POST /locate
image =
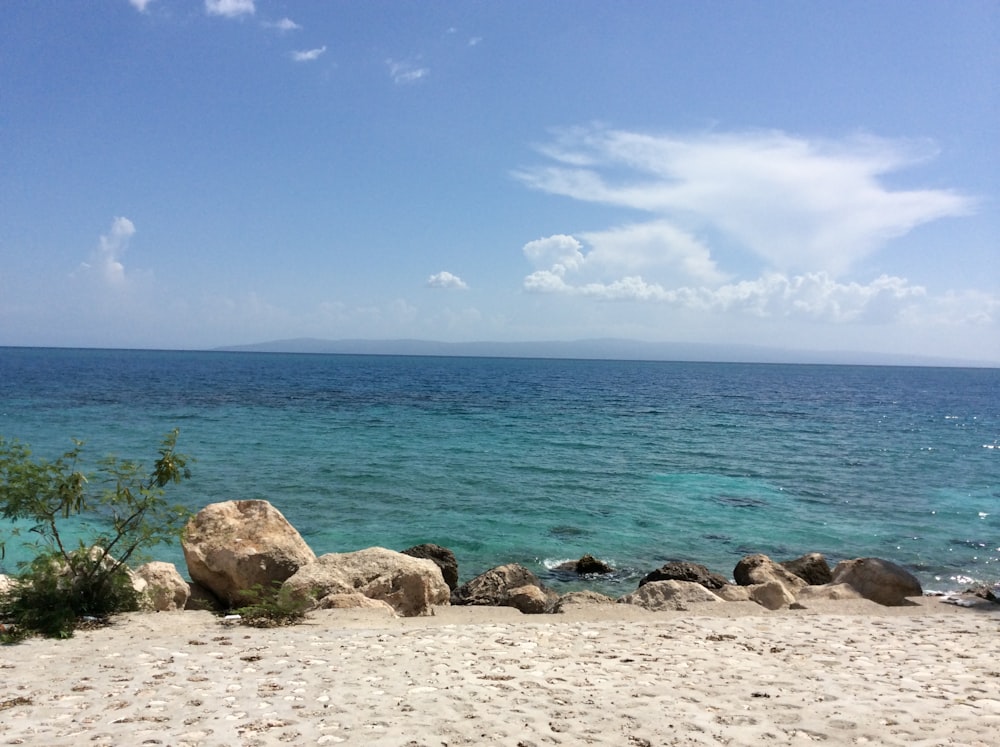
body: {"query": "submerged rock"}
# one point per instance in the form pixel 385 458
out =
pixel 587 564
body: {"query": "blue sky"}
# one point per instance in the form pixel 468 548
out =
pixel 807 175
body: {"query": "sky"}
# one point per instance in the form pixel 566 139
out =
pixel 814 176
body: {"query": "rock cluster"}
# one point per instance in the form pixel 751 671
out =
pixel 237 547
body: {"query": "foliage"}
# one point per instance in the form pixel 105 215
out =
pixel 271 608
pixel 122 507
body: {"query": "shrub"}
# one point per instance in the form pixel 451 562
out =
pixel 122 506
pixel 271 608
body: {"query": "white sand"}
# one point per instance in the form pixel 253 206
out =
pixel 838 673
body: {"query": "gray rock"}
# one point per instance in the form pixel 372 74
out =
pixel 881 581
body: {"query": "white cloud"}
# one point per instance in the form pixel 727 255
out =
pixel 308 55
pixel 559 253
pixel 798 204
pixel 140 5
pixel 229 8
pixel 284 25
pixel 405 71
pixel 106 260
pixel 445 279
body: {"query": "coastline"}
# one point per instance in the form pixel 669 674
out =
pixel 845 672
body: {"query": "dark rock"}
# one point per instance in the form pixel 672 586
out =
pixel 442 556
pixel 811 568
pixel 585 565
pixel 684 571
pixel 503 586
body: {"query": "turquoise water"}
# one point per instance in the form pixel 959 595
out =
pixel 539 461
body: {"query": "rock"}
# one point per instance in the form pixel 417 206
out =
pixel 835 592
pixel 7 584
pixel 588 564
pixel 683 571
pixel 581 599
pixel 411 586
pixel 530 600
pixel 811 568
pixel 165 589
pixel 881 581
pixel 202 599
pixel 353 601
pixel 494 587
pixel 760 569
pixel 731 593
pixel 772 595
pixel 669 595
pixel 234 546
pixel 443 557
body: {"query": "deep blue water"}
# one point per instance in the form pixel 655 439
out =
pixel 538 461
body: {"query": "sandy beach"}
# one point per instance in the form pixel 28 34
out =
pixel 838 672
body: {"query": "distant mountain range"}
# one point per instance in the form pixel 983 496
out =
pixel 606 349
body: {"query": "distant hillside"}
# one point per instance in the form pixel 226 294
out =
pixel 601 349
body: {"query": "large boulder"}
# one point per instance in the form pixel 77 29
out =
pixel 411 586
pixel 496 587
pixel 234 546
pixel 442 557
pixel 669 595
pixel 811 568
pixel 679 570
pixel 165 589
pixel 760 569
pixel 879 580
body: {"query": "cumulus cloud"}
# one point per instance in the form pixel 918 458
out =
pixel 106 260
pixel 229 8
pixel 284 25
pixel 798 204
pixel 405 71
pixel 445 279
pixel 812 295
pixel 140 5
pixel 308 55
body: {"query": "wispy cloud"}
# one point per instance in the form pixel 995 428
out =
pixel 446 279
pixel 405 71
pixel 140 5
pixel 308 55
pixel 106 261
pixel 284 25
pixel 797 204
pixel 230 8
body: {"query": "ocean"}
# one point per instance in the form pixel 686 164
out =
pixel 539 461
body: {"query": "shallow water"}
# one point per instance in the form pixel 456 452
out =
pixel 539 461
